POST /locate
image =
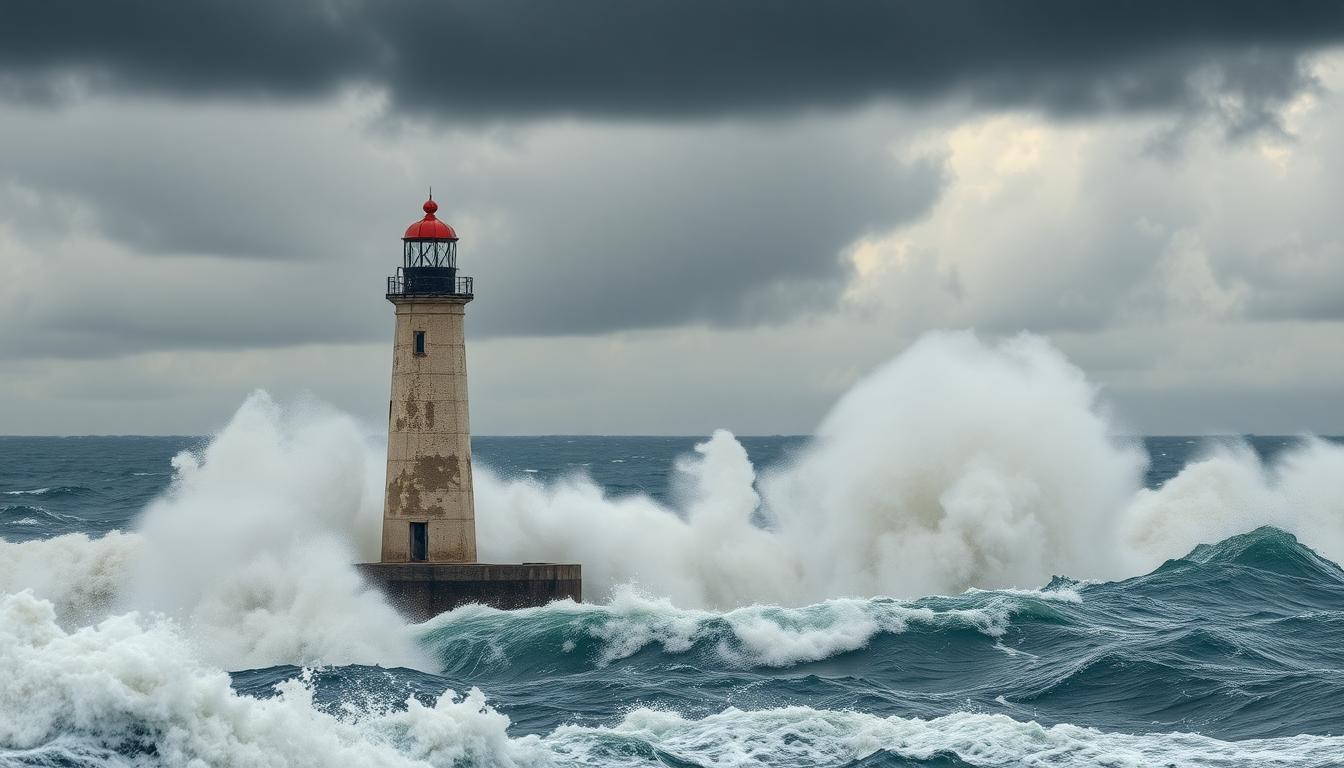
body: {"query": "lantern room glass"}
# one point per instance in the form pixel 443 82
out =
pixel 430 253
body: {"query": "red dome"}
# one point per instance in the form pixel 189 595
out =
pixel 429 228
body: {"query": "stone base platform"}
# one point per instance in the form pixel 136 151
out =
pixel 421 591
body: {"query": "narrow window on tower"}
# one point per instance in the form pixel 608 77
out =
pixel 419 343
pixel 419 542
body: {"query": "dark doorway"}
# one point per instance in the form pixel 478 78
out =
pixel 419 542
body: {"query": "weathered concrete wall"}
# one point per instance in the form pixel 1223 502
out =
pixel 428 435
pixel 421 591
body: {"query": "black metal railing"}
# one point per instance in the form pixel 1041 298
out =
pixel 419 281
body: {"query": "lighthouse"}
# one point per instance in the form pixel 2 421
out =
pixel 429 513
pixel 428 560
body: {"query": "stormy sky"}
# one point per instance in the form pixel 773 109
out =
pixel 680 216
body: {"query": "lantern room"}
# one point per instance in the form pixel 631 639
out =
pixel 429 260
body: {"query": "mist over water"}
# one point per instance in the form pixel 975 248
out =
pixel 789 607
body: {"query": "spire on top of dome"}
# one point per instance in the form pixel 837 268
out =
pixel 430 228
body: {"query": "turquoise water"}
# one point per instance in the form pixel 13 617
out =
pixel 1230 655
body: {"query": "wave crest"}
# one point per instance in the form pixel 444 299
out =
pixel 474 639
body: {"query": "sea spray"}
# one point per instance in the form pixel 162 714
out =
pixel 80 576
pixel 249 550
pixel 959 464
pixel 753 640
pixel 706 553
pixel 1230 491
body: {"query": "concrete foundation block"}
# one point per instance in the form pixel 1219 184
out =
pixel 420 591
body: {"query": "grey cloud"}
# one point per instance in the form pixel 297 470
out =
pixel 691 58
pixel 1299 279
pixel 159 179
pixel 729 228
pixel 568 228
pixel 109 308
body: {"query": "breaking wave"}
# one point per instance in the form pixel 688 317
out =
pixel 131 690
pixel 758 635
pixel 877 600
pixel 249 549
pixel 957 465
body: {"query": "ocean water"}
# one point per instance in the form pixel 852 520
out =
pixel 57 485
pixel 937 577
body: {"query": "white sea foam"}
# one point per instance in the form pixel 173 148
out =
pixel 958 465
pixel 795 736
pixel 1230 491
pixel 1057 594
pixel 131 683
pixel 135 683
pixel 81 577
pixel 780 637
pixel 272 477
pixel 708 553
pixel 249 550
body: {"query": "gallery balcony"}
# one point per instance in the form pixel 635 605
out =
pixel 428 281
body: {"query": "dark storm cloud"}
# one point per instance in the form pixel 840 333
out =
pixel 728 215
pixel 572 230
pixel 691 58
pixel 725 233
